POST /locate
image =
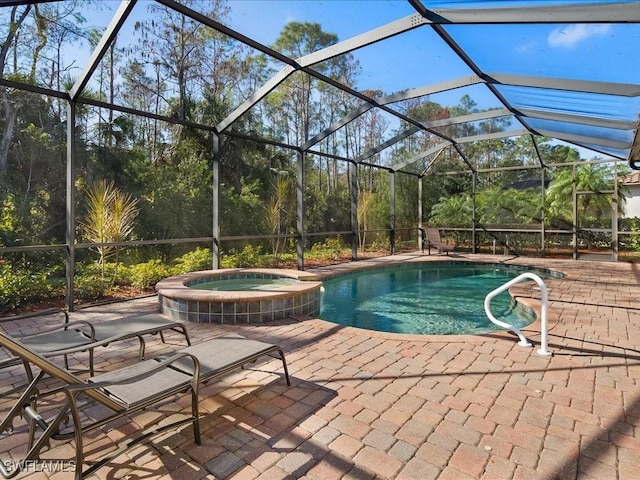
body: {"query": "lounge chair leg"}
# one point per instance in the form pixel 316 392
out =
pixel 75 415
pixel 284 365
pixel 196 417
pixel 141 351
pixel 34 450
pixel 186 334
pixel 91 370
pixel 16 410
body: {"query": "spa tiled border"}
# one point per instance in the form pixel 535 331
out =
pixel 179 302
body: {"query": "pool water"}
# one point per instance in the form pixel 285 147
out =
pixel 243 284
pixel 429 299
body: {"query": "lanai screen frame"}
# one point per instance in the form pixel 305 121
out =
pixel 612 12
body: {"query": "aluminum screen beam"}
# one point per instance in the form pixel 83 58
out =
pixel 431 89
pixel 372 36
pixel 262 92
pixel 365 107
pixel 595 149
pixel 386 31
pixel 585 86
pixel 564 14
pixel 619 12
pixel 210 22
pixel 431 163
pixel 474 138
pixel 464 158
pixel 535 147
pixel 634 154
pixel 303 63
pixel 491 136
pixel 388 143
pixel 290 67
pixel 396 97
pixel 579 119
pixel 584 140
pixel 499 112
pixel 107 39
pixel 462 54
pixel 473 117
pixel 33 89
pixel 430 151
pixel 15 3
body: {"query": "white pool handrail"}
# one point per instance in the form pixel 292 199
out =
pixel 543 320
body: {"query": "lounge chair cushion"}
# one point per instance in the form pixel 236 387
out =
pixel 134 325
pixel 134 393
pixel 50 342
pixel 222 354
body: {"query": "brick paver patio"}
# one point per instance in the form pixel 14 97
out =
pixel 366 405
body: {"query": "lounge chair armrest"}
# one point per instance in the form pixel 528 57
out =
pixel 65 326
pixel 42 313
pixel 89 345
pixel 151 367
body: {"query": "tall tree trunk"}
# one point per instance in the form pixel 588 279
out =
pixel 10 108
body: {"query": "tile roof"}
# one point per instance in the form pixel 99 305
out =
pixel 632 178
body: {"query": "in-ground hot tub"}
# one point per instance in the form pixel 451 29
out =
pixel 239 295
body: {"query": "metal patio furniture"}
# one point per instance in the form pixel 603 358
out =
pixel 123 392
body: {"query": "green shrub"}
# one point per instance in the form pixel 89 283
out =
pixel 91 287
pixel 381 242
pixel 145 275
pixel 198 259
pixel 634 240
pixel 249 256
pixel 18 288
pixel 114 273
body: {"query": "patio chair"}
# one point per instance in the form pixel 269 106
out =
pixel 76 336
pixel 50 340
pixel 432 239
pixel 122 392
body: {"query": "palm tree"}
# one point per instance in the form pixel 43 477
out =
pixel 591 177
pixel 453 211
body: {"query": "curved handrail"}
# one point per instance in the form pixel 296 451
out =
pixel 544 295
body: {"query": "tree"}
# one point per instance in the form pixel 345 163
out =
pixel 590 177
pixel 366 200
pixel 296 40
pixel 185 54
pixel 453 211
pixel 10 107
pixel 30 28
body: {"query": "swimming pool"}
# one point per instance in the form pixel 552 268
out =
pixel 434 299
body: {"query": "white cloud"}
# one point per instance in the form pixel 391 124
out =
pixel 527 47
pixel 569 36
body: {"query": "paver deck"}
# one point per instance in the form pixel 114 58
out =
pixel 366 405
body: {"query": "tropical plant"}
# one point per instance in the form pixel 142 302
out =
pixel 276 210
pixel 452 211
pixel 365 205
pixel 591 179
pixel 110 218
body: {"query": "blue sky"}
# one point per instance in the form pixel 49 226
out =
pixel 419 57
